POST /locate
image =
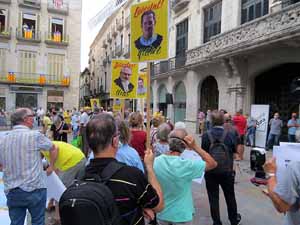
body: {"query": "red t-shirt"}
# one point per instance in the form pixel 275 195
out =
pixel 138 141
pixel 240 123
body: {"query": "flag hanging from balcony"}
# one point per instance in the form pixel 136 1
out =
pixel 149 31
pixel 58 4
pixel 124 79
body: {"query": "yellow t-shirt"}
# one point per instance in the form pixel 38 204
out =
pixel 68 155
pixel 47 122
pixel 67 117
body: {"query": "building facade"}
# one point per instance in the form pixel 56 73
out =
pixel 84 88
pixel 228 55
pixel 112 42
pixel 39 53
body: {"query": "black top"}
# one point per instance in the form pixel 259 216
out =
pixel 130 188
pixel 56 135
pixel 118 82
pixel 155 44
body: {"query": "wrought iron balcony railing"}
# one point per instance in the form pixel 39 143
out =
pixel 168 65
pixel 34 79
pixel 56 38
pixel 30 35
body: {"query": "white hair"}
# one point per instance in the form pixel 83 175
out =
pixel 180 125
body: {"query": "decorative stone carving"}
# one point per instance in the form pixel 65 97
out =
pixel 261 31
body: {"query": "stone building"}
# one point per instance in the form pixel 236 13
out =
pixel 228 54
pixel 112 42
pixel 84 88
pixel 39 53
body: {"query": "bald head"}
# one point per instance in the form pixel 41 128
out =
pixel 176 142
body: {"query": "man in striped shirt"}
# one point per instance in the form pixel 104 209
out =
pixel 23 176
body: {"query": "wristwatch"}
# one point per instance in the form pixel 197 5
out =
pixel 269 175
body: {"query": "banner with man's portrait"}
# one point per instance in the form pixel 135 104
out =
pixel 141 91
pixel 149 31
pixel 124 79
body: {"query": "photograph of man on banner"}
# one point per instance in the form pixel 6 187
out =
pixel 142 86
pixel 149 31
pixel 124 79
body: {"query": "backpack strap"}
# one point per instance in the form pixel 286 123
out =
pixel 211 138
pixel 110 170
pixel 224 136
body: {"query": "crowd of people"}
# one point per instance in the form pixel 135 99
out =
pixel 151 184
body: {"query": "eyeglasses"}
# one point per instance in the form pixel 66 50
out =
pixel 181 139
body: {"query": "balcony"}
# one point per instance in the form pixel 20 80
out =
pixel 5 1
pixel 127 51
pixel 57 39
pixel 109 38
pixel 62 8
pixel 5 34
pixel 279 26
pixel 178 5
pixel 119 50
pixel 32 4
pixel 34 79
pixel 127 22
pixel 104 44
pixel 28 35
pixel 120 24
pixel 169 65
pixel 114 31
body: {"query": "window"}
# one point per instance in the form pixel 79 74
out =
pixel 121 41
pixel 2 60
pixel 29 23
pixel 56 65
pixel 286 3
pixel 3 20
pixel 252 9
pixel 212 20
pixel 56 29
pixel 182 37
pixel 27 62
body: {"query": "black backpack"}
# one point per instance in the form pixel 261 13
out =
pixel 89 201
pixel 220 152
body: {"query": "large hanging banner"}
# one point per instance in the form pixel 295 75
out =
pixel 261 114
pixel 149 31
pixel 124 79
pixel 142 86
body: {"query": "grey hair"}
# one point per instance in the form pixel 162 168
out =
pixel 56 119
pixel 177 145
pixel 19 115
pixel 163 132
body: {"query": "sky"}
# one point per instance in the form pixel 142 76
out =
pixel 89 10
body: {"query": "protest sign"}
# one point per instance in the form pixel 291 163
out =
pixel 124 79
pixel 149 31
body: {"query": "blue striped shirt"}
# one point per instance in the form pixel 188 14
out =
pixel 21 159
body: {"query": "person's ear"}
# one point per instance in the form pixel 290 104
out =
pixel 115 142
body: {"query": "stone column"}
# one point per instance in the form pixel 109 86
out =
pixel 191 101
pixel 237 94
pixel 275 5
pixel 170 88
pixel 155 95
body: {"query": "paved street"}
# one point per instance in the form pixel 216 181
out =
pixel 255 208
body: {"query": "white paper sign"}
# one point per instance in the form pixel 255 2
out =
pixel 261 114
pixel 285 154
pixel 55 188
pixel 187 154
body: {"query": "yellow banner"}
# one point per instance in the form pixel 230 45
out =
pixel 94 103
pixel 124 79
pixel 149 31
pixel 142 86
pixel 118 105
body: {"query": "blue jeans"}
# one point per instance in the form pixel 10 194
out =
pixel 18 201
pixel 292 138
pixel 273 139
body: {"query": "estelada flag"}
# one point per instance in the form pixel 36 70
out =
pixel 141 91
pixel 149 31
pixel 124 79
